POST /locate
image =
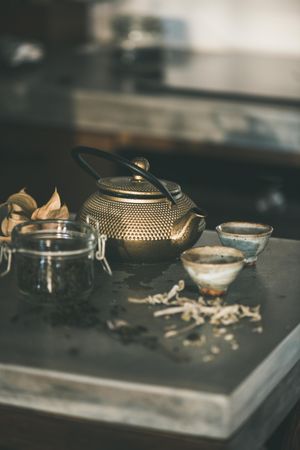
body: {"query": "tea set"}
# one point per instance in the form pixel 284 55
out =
pixel 151 220
pixel 141 219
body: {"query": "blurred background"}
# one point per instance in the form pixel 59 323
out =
pixel 208 91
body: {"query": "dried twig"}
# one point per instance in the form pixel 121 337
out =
pixel 160 299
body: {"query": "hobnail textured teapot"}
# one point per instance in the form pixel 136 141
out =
pixel 144 219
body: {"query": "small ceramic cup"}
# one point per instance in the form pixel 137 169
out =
pixel 212 268
pixel 250 238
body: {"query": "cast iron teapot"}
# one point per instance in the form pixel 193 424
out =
pixel 144 219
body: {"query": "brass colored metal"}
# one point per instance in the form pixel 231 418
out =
pixel 142 224
pixel 144 230
pixel 143 163
pixel 128 186
pixel 135 220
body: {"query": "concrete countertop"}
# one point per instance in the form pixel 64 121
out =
pixel 66 361
pixel 79 92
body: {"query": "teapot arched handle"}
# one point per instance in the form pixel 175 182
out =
pixel 77 156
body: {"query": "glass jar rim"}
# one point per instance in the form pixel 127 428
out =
pixel 21 240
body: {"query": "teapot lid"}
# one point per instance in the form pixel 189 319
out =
pixel 136 186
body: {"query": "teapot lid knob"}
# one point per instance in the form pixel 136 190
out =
pixel 141 162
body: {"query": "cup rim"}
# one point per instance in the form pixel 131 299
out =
pixel 240 224
pixel 213 249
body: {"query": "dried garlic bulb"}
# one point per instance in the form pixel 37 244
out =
pixel 52 209
pixel 21 202
pixel 8 223
pixel 20 206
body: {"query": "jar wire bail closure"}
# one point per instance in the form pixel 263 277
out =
pixel 6 258
pixel 100 253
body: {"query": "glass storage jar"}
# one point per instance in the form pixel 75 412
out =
pixel 54 258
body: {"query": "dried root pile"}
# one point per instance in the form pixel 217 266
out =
pixel 198 312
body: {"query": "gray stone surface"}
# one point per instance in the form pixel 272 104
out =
pixel 65 360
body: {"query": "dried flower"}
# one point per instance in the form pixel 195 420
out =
pixel 22 207
pixel 21 202
pixel 228 337
pixel 258 330
pixel 116 324
pixel 215 350
pixel 218 332
pixel 235 345
pixel 52 209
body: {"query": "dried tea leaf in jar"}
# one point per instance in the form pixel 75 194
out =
pixel 54 259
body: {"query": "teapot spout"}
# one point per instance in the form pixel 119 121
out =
pixel 188 229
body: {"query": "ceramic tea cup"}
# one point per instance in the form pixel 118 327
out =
pixel 213 268
pixel 250 238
